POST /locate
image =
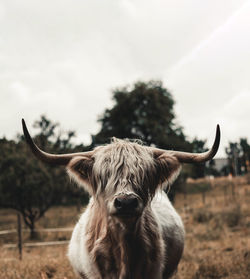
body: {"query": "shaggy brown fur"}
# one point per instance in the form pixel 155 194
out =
pixel 124 252
pixel 131 247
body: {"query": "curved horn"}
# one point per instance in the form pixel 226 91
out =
pixel 186 157
pixel 61 159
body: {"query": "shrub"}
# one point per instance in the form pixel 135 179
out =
pixel 210 271
pixel 232 218
pixel 202 216
pixel 198 187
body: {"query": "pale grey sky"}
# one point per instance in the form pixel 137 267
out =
pixel 63 58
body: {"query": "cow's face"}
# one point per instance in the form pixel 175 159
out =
pixel 124 176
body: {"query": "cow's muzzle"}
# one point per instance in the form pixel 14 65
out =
pixel 127 205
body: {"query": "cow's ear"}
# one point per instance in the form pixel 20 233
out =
pixel 168 168
pixel 80 169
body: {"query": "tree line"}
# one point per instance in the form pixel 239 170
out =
pixel 238 154
pixel 143 111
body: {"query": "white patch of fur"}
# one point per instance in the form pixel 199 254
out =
pixel 77 253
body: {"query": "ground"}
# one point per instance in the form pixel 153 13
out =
pixel 217 237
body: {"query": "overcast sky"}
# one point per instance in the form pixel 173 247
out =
pixel 63 58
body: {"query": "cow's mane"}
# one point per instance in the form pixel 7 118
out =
pixel 124 162
pixel 115 250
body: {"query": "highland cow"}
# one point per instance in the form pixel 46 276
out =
pixel 129 229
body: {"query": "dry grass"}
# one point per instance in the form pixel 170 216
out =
pixel 42 262
pixel 217 237
pixel 217 232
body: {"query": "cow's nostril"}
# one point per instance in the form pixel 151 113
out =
pixel 118 203
pixel 133 203
pixel 126 204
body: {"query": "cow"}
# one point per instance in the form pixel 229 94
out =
pixel 129 230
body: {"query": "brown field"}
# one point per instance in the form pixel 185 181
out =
pixel 217 237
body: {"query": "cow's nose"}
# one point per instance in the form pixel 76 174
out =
pixel 126 204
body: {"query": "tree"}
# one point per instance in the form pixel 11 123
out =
pixel 26 184
pixel 198 170
pixel 233 154
pixel 238 154
pixel 245 147
pixel 143 111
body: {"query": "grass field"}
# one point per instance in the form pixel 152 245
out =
pixel 217 237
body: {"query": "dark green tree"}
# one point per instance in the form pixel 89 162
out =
pixel 233 152
pixel 144 111
pixel 198 170
pixel 245 158
pixel 25 185
pixel 29 186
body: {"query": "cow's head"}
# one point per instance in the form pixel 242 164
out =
pixel 123 176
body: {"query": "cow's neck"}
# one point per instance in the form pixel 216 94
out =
pixel 122 248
